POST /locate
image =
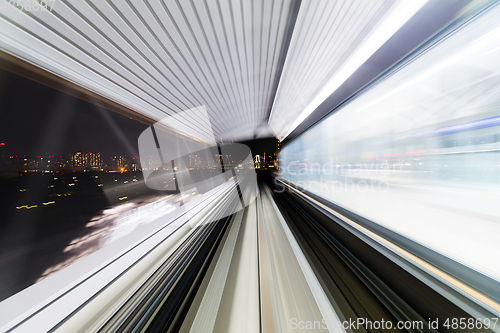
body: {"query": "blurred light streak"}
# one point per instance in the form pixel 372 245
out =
pixel 396 17
pixel 114 223
pixel 453 280
pixel 434 124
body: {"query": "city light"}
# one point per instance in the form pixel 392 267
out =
pixel 27 207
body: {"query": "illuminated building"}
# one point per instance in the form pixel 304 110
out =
pixel 88 160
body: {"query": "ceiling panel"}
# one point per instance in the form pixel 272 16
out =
pixel 250 63
pixel 162 57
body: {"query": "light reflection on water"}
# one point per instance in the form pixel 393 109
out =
pixel 117 222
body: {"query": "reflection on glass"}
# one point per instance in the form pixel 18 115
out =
pixel 419 152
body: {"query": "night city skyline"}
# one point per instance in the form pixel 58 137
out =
pixel 53 123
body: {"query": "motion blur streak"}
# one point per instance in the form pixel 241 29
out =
pixel 418 152
pixel 374 204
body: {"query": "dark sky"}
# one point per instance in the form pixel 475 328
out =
pixel 39 120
